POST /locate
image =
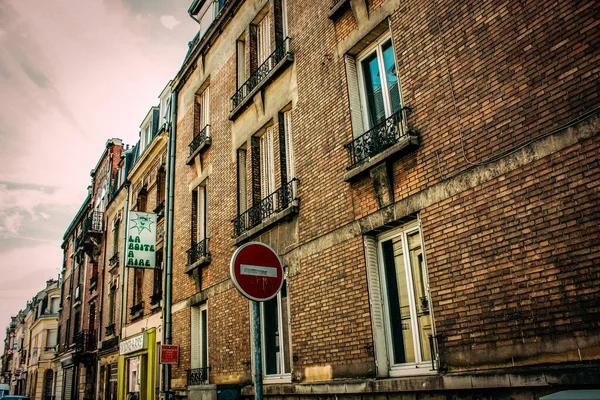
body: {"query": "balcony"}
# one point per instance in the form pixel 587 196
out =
pixel 200 142
pixel 85 342
pixel 114 260
pixel 109 344
pixel 276 206
pixel 89 238
pixel 198 255
pixel 380 142
pixel 110 330
pixel 197 376
pixel 267 71
pixel 160 208
pixel 156 298
pixel 137 310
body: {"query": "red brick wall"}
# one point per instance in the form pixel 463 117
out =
pixel 513 261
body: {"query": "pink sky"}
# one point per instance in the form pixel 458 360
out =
pixel 73 74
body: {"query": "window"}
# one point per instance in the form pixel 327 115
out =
pixel 275 336
pixel 207 15
pixel 199 228
pixel 288 172
pixel 203 109
pixel 54 304
pixel 157 281
pixel 242 181
pixel 115 241
pixel 199 326
pixel 111 304
pixel 240 49
pixel 161 178
pixel 142 200
pixel 138 285
pixel 263 40
pixel 403 277
pixel 51 340
pixel 380 93
pixel 267 169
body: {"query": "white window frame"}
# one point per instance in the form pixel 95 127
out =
pixel 204 104
pixel 420 366
pixel 376 47
pixel 282 377
pixel 54 298
pixel 198 360
pixel 201 213
pixel 267 163
pixel 263 40
pixel 289 148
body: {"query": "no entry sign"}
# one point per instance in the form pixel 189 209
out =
pixel 256 271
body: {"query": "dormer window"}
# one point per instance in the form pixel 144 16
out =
pixel 205 13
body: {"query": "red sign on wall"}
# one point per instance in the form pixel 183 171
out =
pixel 169 354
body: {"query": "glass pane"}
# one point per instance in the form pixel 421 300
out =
pixel 398 305
pixel 271 337
pixel 421 298
pixel 392 79
pixel 373 90
pixel 204 343
pixel 286 330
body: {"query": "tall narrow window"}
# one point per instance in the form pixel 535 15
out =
pixel 199 338
pixel 203 111
pixel 138 285
pixel 379 83
pixel 275 335
pixel 240 49
pixel 407 305
pixel 115 241
pixel 263 40
pixel 199 225
pixel 242 181
pixel 111 305
pixel 158 275
pixel 267 169
pixel 289 148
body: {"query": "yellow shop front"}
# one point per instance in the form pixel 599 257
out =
pixel 137 364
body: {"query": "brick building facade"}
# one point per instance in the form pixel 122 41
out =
pixel 427 172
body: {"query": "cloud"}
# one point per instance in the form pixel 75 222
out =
pixel 169 21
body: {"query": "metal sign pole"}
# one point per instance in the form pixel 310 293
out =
pixel 258 383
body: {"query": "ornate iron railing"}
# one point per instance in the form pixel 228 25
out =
pixel 273 203
pixel 160 207
pixel 261 72
pixel 197 376
pixel 139 307
pixel 110 330
pixel 93 223
pixel 377 139
pixel 199 139
pixel 110 343
pixel 156 298
pixel 114 259
pixel 198 251
pixel 85 341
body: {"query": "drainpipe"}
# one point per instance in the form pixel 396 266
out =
pixel 123 260
pixel 168 280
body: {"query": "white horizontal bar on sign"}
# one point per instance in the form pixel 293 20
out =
pixel 258 270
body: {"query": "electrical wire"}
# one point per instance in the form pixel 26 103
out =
pixel 516 148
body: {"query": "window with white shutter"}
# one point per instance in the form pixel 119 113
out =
pixel 199 345
pixel 267 169
pixel 263 40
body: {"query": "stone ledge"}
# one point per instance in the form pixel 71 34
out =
pixel 288 212
pixel 338 9
pixel 275 71
pixel 405 143
pixel 200 262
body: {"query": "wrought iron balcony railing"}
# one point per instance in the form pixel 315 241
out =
pixel 110 330
pixel 270 205
pixel 85 341
pixel 377 139
pixel 199 139
pixel 197 376
pixel 282 50
pixel 138 308
pixel 198 251
pixel 160 208
pixel 93 224
pixel 114 260
pixel 156 298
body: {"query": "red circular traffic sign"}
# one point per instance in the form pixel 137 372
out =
pixel 256 271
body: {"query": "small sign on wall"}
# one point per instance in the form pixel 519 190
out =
pixel 169 354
